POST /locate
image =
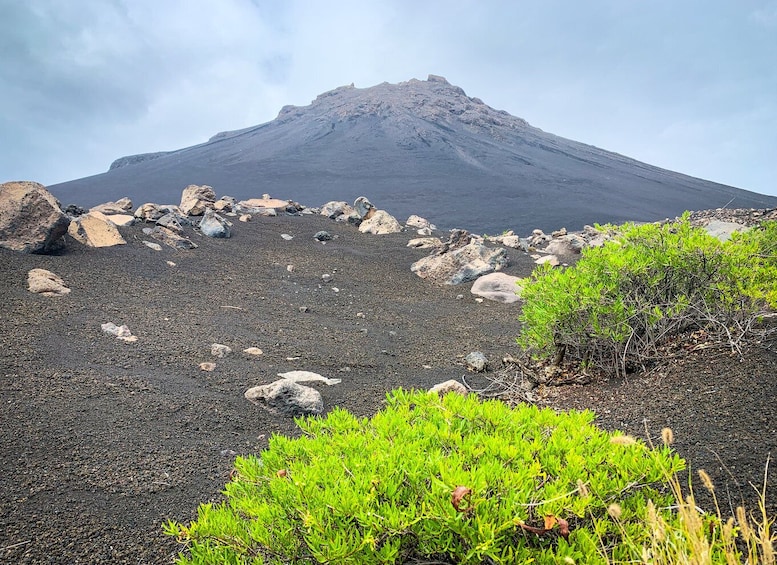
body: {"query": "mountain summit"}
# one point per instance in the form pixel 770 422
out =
pixel 417 147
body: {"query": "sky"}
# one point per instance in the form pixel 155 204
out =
pixel 688 85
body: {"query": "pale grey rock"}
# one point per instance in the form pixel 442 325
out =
pixel 551 260
pixel 335 208
pixel 169 237
pixel 499 287
pixel 122 332
pixel 287 237
pixel 723 230
pixel 121 220
pixel 220 350
pixel 121 206
pixel 149 212
pixel 214 225
pixel 224 204
pixel 380 223
pixel 419 223
pixel 255 351
pixel 457 265
pixel 196 199
pixel 152 245
pixel 208 367
pixel 287 398
pixel 476 362
pixel 514 242
pixel 567 244
pixel 425 243
pixel 449 386
pixel 31 220
pixel 41 281
pixel 307 376
pixel 172 221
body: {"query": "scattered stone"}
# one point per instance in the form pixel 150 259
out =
pixel 498 287
pixel 335 289
pixel 121 332
pixel 41 281
pixel 173 221
pixel 304 309
pixel 149 212
pixel 380 222
pixel 245 217
pixel 228 452
pixel 72 210
pixel 287 398
pixel 326 277
pixel 253 351
pixel 196 199
pixel 551 260
pixel 425 243
pixel 364 208
pixel 219 350
pixel 449 386
pixel 121 206
pixel 514 242
pixel 476 362
pixel 459 260
pixel 169 237
pixel 307 376
pixel 224 204
pixel 207 367
pixel 152 245
pixel 287 237
pixel 122 220
pixel 567 244
pixel 323 236
pixel 559 233
pixel 94 229
pixel 170 264
pixel 290 268
pixel 264 202
pixel 419 223
pixel 336 208
pixel 723 230
pixel 31 220
pixel 214 225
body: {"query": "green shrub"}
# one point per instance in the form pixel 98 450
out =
pixel 624 299
pixel 450 479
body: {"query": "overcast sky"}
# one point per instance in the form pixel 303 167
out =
pixel 689 85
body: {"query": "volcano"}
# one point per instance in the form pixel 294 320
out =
pixel 418 147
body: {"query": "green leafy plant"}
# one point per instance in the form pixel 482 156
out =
pixel 624 299
pixel 451 480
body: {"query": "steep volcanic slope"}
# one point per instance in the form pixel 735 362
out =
pixel 420 147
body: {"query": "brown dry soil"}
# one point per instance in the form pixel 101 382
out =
pixel 103 441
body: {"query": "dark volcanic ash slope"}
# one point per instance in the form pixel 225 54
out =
pixel 416 147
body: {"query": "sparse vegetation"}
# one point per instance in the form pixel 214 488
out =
pixel 621 301
pixel 451 480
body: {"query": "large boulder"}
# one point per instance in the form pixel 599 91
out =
pixel 334 209
pixel 287 398
pixel 380 222
pixel 461 259
pixel 499 287
pixel 214 225
pixel 95 229
pixel 31 220
pixel 196 199
pixel 364 208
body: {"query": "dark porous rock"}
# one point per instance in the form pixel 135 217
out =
pixel 31 220
pixel 323 236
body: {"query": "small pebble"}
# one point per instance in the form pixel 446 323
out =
pixel 207 367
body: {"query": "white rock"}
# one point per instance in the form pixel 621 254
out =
pixel 207 367
pixel 307 376
pixel 152 245
pixel 253 351
pixel 380 223
pixel 219 350
pixel 287 398
pixel 449 386
pixel 498 287
pixel 121 332
pixel 549 259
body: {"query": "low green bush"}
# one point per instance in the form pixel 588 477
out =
pixel 446 480
pixel 621 301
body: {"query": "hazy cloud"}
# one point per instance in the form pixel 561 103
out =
pixel 684 85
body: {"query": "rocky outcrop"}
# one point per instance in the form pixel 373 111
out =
pixel 196 199
pixel 41 281
pixel 380 222
pixel 499 287
pixel 95 229
pixel 31 220
pixel 461 259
